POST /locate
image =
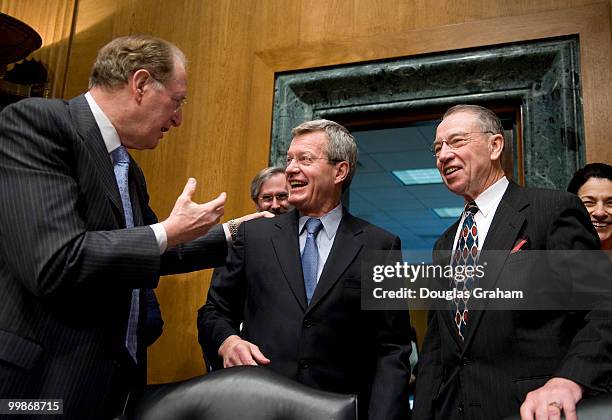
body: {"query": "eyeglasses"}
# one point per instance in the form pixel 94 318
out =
pixel 268 198
pixel 178 102
pixel 306 160
pixel 455 142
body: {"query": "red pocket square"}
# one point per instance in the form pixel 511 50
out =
pixel 519 244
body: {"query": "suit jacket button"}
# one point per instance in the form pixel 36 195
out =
pixel 304 364
pixel 307 323
pixel 466 361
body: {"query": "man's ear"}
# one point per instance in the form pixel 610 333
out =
pixel 342 170
pixel 496 146
pixel 138 83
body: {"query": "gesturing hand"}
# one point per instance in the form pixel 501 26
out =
pixel 189 220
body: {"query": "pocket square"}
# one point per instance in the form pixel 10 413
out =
pixel 519 245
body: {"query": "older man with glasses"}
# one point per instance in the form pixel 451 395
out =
pixel 80 245
pixel 294 282
pixel 489 364
pixel 270 191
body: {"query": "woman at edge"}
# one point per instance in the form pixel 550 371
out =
pixel 593 184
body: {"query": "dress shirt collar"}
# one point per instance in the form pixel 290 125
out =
pixel 330 220
pixel 109 134
pixel 489 199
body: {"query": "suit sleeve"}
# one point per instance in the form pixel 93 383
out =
pixel 208 251
pixel 389 399
pixel 154 324
pixel 46 244
pixel 589 359
pixel 222 313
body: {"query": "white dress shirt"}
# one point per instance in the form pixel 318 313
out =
pixel 112 141
pixel 487 203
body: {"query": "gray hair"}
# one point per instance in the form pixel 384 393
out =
pixel 489 121
pixel 261 177
pixel 341 144
pixel 122 57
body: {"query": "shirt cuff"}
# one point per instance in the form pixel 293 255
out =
pixel 228 235
pixel 160 236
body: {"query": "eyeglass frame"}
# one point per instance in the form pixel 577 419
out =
pixel 270 198
pixel 460 137
pixel 181 102
pixel 300 160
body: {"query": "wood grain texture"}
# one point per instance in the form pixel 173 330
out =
pixel 235 47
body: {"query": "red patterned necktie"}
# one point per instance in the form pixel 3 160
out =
pixel 466 254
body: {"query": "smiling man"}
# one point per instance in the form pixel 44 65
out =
pixel 80 244
pixel 491 364
pixel 294 283
pixel 270 191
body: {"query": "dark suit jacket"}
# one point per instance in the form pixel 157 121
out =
pixel 330 344
pixel 67 263
pixel 506 354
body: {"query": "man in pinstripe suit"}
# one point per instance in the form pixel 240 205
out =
pixel 490 364
pixel 68 263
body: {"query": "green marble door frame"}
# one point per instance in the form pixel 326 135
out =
pixel 543 76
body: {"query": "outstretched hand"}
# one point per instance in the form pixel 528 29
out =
pixel 189 220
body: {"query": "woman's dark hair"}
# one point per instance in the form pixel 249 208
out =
pixel 592 170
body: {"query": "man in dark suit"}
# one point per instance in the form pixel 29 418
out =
pixel 270 193
pixel 488 364
pixel 297 289
pixel 75 261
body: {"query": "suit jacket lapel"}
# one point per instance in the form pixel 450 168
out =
pixel 89 132
pixel 344 251
pixel 287 248
pixel 503 233
pixel 442 256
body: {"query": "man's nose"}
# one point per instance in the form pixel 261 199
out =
pixel 292 166
pixel 445 152
pixel 177 118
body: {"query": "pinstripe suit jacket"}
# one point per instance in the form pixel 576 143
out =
pixel 507 354
pixel 67 263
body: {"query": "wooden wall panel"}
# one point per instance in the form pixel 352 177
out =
pixel 236 46
pixel 52 19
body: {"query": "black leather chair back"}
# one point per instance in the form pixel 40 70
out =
pixel 245 392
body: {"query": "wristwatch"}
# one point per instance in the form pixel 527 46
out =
pixel 233 228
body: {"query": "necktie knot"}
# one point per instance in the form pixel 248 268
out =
pixel 471 207
pixel 313 226
pixel 120 155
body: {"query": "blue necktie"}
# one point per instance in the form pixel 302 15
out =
pixel 310 257
pixel 121 166
pixel 466 254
